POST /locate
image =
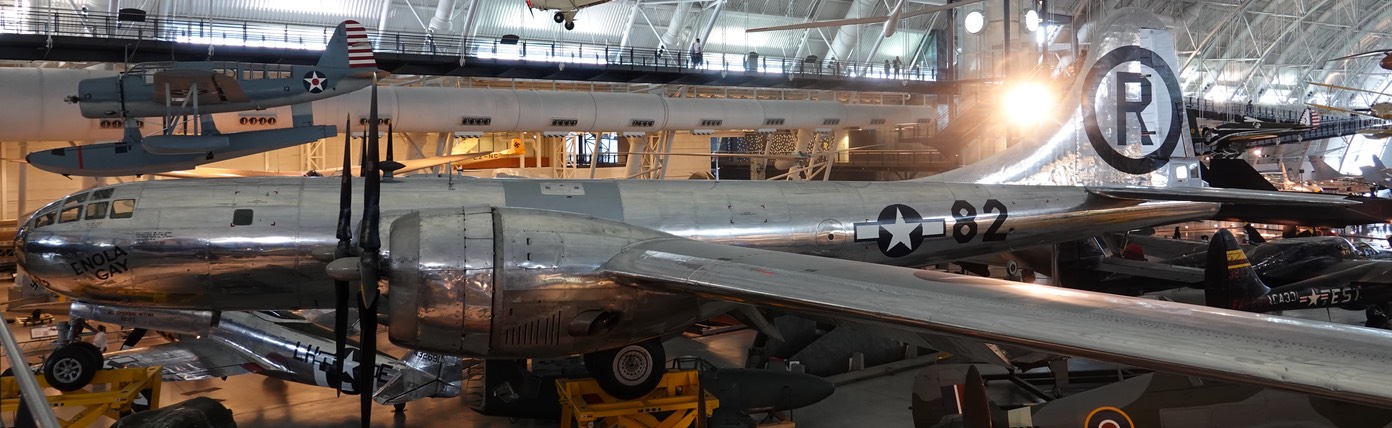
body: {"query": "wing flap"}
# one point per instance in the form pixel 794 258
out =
pixel 1337 361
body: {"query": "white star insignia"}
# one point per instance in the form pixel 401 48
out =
pixel 316 81
pixel 899 231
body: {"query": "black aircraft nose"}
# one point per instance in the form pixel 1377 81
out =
pixel 754 389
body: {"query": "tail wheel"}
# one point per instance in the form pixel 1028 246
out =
pixel 570 25
pixel 629 372
pixel 72 366
pixel 559 17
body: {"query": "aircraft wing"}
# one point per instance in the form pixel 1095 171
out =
pixel 866 20
pixel 185 360
pixel 1336 361
pixel 1226 196
pixel 213 88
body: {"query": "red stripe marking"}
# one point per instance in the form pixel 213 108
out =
pixel 79 158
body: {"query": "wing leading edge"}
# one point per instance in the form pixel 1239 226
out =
pixel 1331 360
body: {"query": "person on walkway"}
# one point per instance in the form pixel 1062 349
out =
pixel 696 59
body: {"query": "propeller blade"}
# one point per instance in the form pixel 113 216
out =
pixel 345 249
pixel 370 243
pixel 390 166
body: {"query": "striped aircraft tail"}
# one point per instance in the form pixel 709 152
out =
pixel 349 48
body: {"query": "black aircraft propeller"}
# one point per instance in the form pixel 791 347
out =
pixel 361 265
pixel 344 249
pixel 370 243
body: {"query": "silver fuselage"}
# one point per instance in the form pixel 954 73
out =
pixel 181 249
pixel 246 244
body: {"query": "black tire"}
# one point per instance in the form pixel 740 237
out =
pixel 71 367
pixel 628 372
pixel 559 17
pixel 570 25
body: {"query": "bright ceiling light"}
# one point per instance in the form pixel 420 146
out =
pixel 974 22
pixel 1030 20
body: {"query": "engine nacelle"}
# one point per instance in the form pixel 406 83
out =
pixel 515 282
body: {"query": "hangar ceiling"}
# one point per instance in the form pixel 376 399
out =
pixel 1264 51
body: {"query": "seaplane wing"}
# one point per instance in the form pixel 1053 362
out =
pixel 1336 361
pixel 212 87
pixel 866 20
pixel 187 360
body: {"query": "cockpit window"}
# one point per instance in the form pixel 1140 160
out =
pixel 70 214
pixel 102 194
pixel 44 219
pixel 97 210
pixel 122 208
pixel 77 199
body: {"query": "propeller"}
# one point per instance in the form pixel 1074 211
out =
pixel 390 165
pixel 344 249
pixel 370 243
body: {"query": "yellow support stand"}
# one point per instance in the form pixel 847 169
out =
pixel 585 404
pixel 123 386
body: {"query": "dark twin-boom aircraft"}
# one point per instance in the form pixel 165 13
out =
pixel 513 268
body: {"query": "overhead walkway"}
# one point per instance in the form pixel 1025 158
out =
pixel 64 35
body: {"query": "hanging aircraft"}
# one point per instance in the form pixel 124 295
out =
pixel 278 344
pixel 890 22
pixel 534 268
pixel 956 396
pixel 565 9
pixel 185 95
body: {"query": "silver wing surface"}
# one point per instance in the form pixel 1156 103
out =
pixel 187 360
pixel 1331 360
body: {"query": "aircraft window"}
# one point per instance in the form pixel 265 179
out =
pixel 44 219
pixel 97 210
pixel 70 214
pixel 241 217
pixel 122 208
pixel 103 193
pixel 77 199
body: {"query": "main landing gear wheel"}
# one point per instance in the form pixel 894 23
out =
pixel 72 366
pixel 628 372
pixel 559 17
pixel 570 25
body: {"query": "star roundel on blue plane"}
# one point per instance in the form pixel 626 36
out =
pixel 899 230
pixel 314 81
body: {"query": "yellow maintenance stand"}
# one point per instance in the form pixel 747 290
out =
pixel 123 387
pixel 585 404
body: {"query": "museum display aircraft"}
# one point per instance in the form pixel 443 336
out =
pixel 891 21
pixel 955 395
pixel 565 9
pixel 1230 281
pixel 277 344
pixel 186 94
pixel 523 268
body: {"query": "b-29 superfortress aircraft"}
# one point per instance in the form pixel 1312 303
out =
pixel 537 268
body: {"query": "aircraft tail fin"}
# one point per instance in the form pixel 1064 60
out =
pixel 1122 121
pixel 348 48
pixel 422 375
pixel 1310 118
pixel 1229 280
pixel 955 395
pixel 1321 170
pixel 1377 163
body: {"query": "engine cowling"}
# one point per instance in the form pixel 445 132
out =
pixel 516 282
